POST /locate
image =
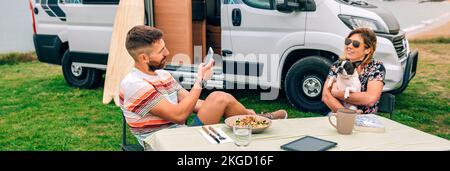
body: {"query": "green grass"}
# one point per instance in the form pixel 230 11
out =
pixel 15 58
pixel 425 104
pixel 39 111
pixel 431 40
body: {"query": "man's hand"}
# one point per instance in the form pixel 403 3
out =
pixel 205 71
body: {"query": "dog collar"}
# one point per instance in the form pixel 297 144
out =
pixel 357 63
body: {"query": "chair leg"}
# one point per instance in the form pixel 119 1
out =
pixel 124 131
pixel 124 146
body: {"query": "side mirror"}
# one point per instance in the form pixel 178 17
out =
pixel 287 5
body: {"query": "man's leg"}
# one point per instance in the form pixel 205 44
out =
pixel 220 104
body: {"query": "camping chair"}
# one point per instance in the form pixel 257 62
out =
pixel 125 146
pixel 387 104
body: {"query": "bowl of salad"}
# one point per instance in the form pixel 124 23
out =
pixel 257 123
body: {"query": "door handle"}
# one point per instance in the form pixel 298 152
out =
pixel 236 17
pixel 226 53
pixel 36 10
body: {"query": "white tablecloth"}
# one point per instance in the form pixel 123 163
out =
pixel 396 137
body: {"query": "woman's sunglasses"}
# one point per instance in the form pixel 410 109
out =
pixel 355 43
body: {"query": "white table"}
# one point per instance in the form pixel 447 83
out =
pixel 396 137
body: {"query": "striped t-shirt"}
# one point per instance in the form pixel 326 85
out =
pixel 140 92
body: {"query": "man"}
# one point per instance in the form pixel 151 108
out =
pixel 152 99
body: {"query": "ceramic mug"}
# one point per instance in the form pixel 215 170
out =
pixel 345 119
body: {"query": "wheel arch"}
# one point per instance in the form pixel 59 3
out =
pixel 297 54
pixel 62 50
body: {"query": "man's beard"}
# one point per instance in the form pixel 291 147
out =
pixel 156 67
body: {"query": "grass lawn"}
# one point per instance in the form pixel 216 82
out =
pixel 39 111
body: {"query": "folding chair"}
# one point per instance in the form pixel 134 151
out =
pixel 387 104
pixel 125 146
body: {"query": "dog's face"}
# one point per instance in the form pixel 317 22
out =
pixel 345 68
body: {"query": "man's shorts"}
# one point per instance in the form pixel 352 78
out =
pixel 197 122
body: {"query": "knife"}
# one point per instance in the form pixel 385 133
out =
pixel 211 135
pixel 217 133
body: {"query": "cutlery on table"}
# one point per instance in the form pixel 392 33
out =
pixel 211 135
pixel 217 133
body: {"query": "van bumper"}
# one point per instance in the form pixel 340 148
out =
pixel 409 72
pixel 48 48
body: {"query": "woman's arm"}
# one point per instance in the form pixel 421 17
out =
pixel 368 98
pixel 328 98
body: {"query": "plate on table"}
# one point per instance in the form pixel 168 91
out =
pixel 258 123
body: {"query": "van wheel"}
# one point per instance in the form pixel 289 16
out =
pixel 304 82
pixel 78 76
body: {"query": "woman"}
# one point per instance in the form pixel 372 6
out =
pixel 359 48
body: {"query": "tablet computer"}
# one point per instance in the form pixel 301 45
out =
pixel 309 143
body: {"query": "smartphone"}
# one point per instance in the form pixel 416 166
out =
pixel 209 55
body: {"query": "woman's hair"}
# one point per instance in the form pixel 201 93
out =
pixel 370 41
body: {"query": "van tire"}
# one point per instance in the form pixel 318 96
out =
pixel 309 72
pixel 87 78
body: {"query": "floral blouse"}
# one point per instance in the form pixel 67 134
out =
pixel 373 71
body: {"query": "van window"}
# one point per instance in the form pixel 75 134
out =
pixel 100 1
pixel 263 4
pixel 73 1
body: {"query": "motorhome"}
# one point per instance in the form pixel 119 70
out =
pixel 278 44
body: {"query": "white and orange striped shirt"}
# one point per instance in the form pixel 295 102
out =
pixel 140 92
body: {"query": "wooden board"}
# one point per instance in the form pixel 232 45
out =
pixel 129 14
pixel 199 33
pixel 174 18
pixel 213 38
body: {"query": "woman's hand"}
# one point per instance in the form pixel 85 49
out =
pixel 327 97
pixel 335 91
pixel 367 98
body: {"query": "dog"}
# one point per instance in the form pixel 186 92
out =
pixel 348 80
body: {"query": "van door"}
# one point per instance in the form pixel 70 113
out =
pixel 50 17
pixel 50 28
pixel 259 36
pixel 225 24
pixel 90 24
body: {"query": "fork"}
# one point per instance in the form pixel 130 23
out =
pixel 217 133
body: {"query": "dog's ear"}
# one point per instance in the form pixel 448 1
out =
pixel 349 68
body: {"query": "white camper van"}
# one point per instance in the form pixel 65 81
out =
pixel 287 44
